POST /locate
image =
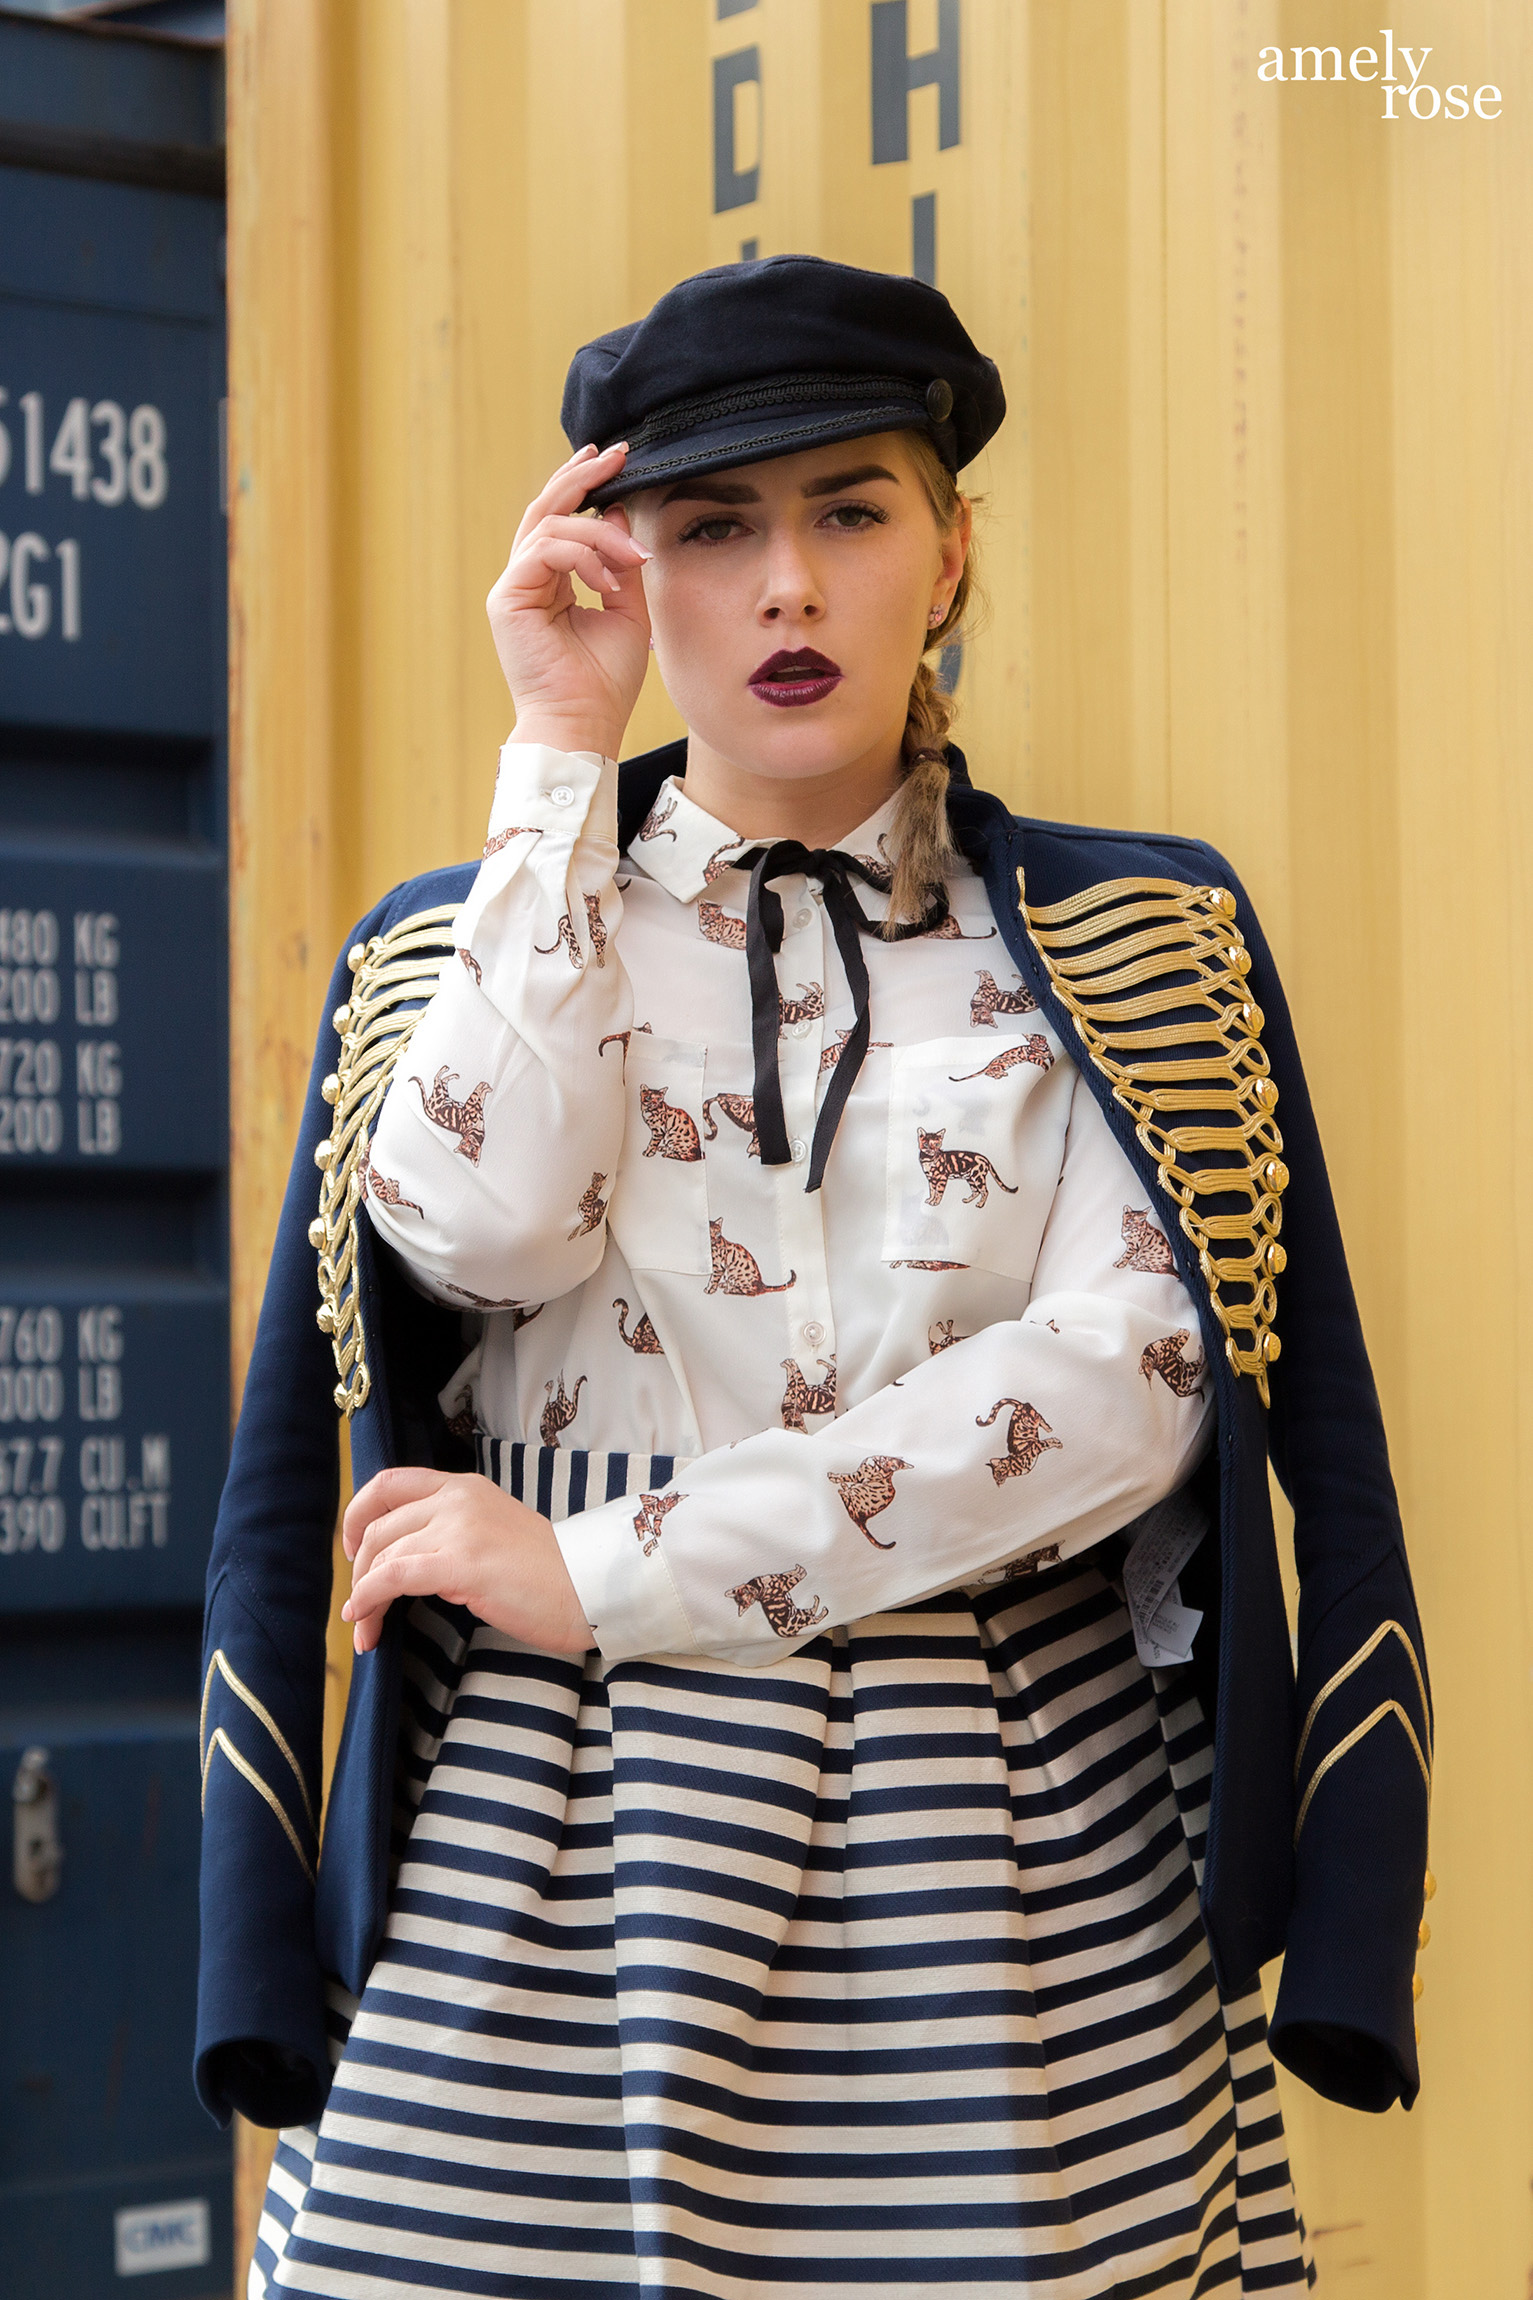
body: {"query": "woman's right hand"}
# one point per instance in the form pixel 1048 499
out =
pixel 574 672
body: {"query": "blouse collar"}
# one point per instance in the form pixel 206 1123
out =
pixel 684 849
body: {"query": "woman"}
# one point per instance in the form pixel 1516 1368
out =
pixel 806 1753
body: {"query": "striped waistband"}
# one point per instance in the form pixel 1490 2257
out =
pixel 557 1481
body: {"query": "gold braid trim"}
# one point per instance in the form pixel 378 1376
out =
pixel 1349 1742
pixel 1122 954
pixel 220 1741
pixel 394 975
pixel 1364 1653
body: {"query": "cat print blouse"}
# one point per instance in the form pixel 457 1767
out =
pixel 967 1354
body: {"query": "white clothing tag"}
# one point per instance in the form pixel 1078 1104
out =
pixel 1166 1638
pixel 1163 1627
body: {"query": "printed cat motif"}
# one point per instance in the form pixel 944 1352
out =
pixel 383 1187
pixel 1023 1444
pixel 596 928
pixel 1035 1049
pixel 802 1397
pixel 740 1110
pixel 465 1119
pixel 969 1166
pixel 474 968
pixel 560 1411
pixel 879 867
pixel 952 931
pixel 867 1489
pixel 643 1341
pixel 619 1038
pixel 503 839
pixel 771 1591
pixel 1145 1245
pixel 671 1131
pixel 1182 1376
pixel 735 1268
pixel 989 1000
pixel 565 933
pixel 721 926
pixel 809 1008
pixel 481 1301
pixel 592 1208
pixel 1022 1568
pixel 941 1336
pixel 721 860
pixel 831 1055
pixel 649 1524
pixel 928 1265
pixel 525 1313
pixel 653 826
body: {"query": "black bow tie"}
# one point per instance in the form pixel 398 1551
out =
pixel 763 939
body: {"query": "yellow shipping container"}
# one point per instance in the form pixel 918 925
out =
pixel 1258 546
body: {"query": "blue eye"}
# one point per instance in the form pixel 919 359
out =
pixel 849 517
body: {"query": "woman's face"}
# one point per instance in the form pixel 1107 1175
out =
pixel 790 600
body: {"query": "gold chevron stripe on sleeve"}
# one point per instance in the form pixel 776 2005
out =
pixel 236 1684
pixel 1364 1652
pixel 1120 956
pixel 393 977
pixel 1349 1742
pixel 243 1766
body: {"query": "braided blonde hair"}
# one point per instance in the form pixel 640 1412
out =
pixel 920 834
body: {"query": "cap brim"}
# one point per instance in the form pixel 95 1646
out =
pixel 762 437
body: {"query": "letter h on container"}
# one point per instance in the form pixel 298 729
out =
pixel 896 72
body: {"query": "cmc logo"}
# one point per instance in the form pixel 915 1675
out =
pixel 154 2236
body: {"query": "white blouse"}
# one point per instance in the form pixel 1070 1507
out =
pixel 968 1353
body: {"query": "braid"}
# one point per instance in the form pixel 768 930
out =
pixel 920 834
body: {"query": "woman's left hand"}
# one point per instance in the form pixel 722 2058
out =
pixel 428 1533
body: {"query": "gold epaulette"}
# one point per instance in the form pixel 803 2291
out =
pixel 393 977
pixel 1123 955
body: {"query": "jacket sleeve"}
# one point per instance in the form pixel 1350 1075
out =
pixel 261 2044
pixel 1344 2019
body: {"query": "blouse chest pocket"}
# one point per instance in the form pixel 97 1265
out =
pixel 975 1146
pixel 659 1210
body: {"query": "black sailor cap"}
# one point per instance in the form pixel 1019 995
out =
pixel 756 360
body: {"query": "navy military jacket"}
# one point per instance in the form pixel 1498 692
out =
pixel 1144 951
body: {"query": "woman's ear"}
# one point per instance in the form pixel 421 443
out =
pixel 955 543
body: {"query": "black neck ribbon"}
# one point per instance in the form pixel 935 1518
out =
pixel 763 940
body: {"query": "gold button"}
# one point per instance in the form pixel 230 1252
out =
pixel 1423 1934
pixel 324 1152
pixel 1429 1889
pixel 1275 1175
pixel 1271 1347
pixel 330 1088
pixel 1222 899
pixel 324 1318
pixel 317 1231
pixel 1418 1987
pixel 1277 1257
pixel 340 1018
pixel 355 955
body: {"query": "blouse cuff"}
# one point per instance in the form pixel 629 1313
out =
pixel 629 1599
pixel 538 788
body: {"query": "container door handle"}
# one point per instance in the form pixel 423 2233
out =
pixel 38 1857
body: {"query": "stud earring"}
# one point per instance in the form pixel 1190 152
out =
pixel 935 617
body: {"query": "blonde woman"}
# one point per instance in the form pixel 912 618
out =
pixel 838 1718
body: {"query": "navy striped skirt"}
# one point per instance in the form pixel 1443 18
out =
pixel 876 1969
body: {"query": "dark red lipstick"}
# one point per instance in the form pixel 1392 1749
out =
pixel 795 675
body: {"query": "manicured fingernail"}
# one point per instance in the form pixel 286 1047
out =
pixel 613 583
pixel 346 1610
pixel 643 554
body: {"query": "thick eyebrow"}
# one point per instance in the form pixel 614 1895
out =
pixel 709 491
pixel 839 479
pixel 735 491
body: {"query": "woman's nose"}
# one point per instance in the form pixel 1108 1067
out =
pixel 790 590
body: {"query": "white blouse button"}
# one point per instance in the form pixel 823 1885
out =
pixel 798 1030
pixel 803 918
pixel 800 1150
pixel 562 796
pixel 814 1333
